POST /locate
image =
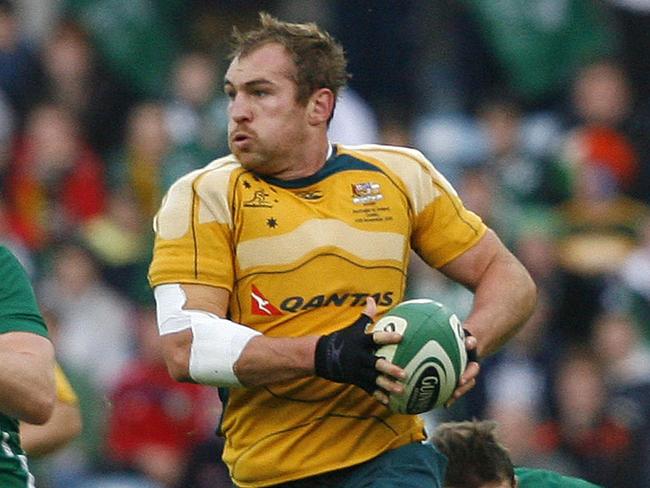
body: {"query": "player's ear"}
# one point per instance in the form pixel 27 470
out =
pixel 320 106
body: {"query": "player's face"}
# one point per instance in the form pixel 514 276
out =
pixel 266 123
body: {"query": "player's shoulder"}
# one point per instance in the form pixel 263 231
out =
pixel 5 254
pixel 385 153
pixel 219 169
pixel 210 183
pixel 212 180
pixel 8 260
pixel 408 165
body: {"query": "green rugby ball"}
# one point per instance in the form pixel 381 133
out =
pixel 432 352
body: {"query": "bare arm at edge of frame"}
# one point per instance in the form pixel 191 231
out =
pixel 27 376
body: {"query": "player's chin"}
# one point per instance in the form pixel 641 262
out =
pixel 255 162
pixel 247 159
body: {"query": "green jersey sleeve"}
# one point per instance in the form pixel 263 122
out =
pixel 19 311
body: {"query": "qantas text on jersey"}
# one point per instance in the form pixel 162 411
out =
pixel 296 303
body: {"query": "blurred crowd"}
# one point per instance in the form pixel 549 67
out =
pixel 537 111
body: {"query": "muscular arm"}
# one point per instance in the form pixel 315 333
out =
pixel 63 426
pixel 26 376
pixel 504 293
pixel 264 360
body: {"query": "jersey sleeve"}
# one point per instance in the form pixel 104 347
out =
pixel 194 232
pixel 64 390
pixel 443 228
pixel 19 311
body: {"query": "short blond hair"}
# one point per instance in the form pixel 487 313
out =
pixel 319 59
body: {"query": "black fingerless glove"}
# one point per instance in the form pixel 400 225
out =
pixel 348 356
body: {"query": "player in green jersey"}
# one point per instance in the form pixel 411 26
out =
pixel 27 391
pixel 478 460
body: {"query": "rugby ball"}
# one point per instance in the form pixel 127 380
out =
pixel 432 352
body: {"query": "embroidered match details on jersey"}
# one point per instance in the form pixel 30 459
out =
pixel 300 257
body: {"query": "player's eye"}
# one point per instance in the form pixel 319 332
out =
pixel 260 93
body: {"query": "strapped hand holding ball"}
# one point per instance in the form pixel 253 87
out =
pixel 432 352
pixel 348 356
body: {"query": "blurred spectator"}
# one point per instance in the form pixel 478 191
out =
pixel 73 77
pixel 584 430
pixel 621 349
pixel 630 288
pixel 93 321
pixel 138 39
pixel 139 164
pixel 120 240
pixel 38 17
pixel 451 141
pixel 479 188
pixel 601 229
pixel 59 468
pixel 602 102
pixel 155 421
pixel 519 374
pixel 394 132
pixel 195 112
pixel 602 225
pixel 633 22
pixel 515 388
pixel 12 241
pixel 536 247
pixel 354 121
pixel 56 181
pixel 521 147
pixel 602 222
pixel 195 115
pixel 633 19
pixel 379 42
pixel 6 137
pixel 18 60
pixel 525 179
pixel 538 46
pixel 455 68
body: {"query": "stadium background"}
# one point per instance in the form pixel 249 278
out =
pixel 538 111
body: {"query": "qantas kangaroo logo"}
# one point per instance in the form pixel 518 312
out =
pixel 260 305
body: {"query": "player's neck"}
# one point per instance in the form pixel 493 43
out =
pixel 307 162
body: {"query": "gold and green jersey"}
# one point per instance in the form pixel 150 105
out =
pixel 300 258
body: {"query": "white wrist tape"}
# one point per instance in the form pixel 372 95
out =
pixel 216 344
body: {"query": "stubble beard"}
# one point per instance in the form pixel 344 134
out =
pixel 256 160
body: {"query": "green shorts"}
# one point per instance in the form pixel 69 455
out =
pixel 410 466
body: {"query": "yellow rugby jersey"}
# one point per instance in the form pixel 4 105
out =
pixel 64 391
pixel 299 258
